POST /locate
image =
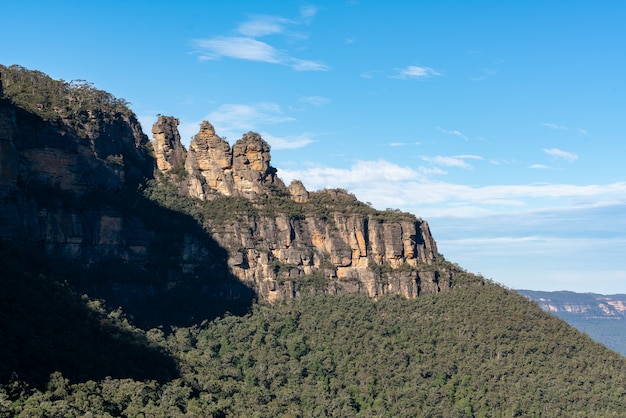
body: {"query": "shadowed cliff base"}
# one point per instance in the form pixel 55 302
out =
pixel 46 327
pixel 71 196
pixel 159 266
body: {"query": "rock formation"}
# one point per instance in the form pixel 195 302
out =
pixel 210 166
pixel 169 152
pixel 71 188
pixel 72 199
pixel 280 254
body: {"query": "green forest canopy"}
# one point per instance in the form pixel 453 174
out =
pixel 477 351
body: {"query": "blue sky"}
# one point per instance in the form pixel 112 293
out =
pixel 500 123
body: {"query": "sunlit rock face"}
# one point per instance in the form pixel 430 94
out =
pixel 143 224
pixel 211 166
pixel 341 253
pixel 168 150
pixel 78 195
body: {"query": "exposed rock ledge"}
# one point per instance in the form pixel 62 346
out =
pixel 278 255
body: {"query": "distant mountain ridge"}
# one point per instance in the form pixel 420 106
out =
pixel 602 317
pixel 588 305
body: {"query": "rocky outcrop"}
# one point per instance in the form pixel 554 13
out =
pixel 74 186
pixel 168 150
pixel 211 166
pixel 324 247
pixel 348 253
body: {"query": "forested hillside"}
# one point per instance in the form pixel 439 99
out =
pixel 481 351
pixel 128 291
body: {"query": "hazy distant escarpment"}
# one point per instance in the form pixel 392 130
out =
pixel 603 317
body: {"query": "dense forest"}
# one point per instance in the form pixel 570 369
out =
pixel 477 350
pixel 480 350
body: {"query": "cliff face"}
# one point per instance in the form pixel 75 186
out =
pixel 70 195
pixel 81 184
pixel 335 250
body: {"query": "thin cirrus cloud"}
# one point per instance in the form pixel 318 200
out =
pixel 290 142
pixel 264 25
pixel 245 45
pixel 452 161
pixel 453 132
pixel 555 126
pixel 232 120
pixel 360 173
pixel 560 154
pixel 542 167
pixel 239 48
pixel 413 72
pixel 315 100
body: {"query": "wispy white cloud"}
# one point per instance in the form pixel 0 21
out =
pixel 413 71
pixel 238 47
pixel 263 25
pixel 555 126
pixel 361 172
pixel 289 142
pixel 306 65
pixel 483 75
pixel 251 116
pixel 315 100
pixel 397 144
pixel 501 162
pixel 232 120
pixel 453 132
pixel 559 154
pixel 369 74
pixel 308 12
pixel 245 45
pixel 542 167
pixel 452 161
pixel 430 172
pixel 558 127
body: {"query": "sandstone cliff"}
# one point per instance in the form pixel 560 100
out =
pixel 70 195
pixel 324 240
pixel 142 224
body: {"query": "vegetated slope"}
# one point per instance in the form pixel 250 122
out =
pixel 74 162
pixel 603 317
pixel 46 327
pixel 479 351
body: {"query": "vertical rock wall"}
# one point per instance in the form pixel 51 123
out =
pixel 280 255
